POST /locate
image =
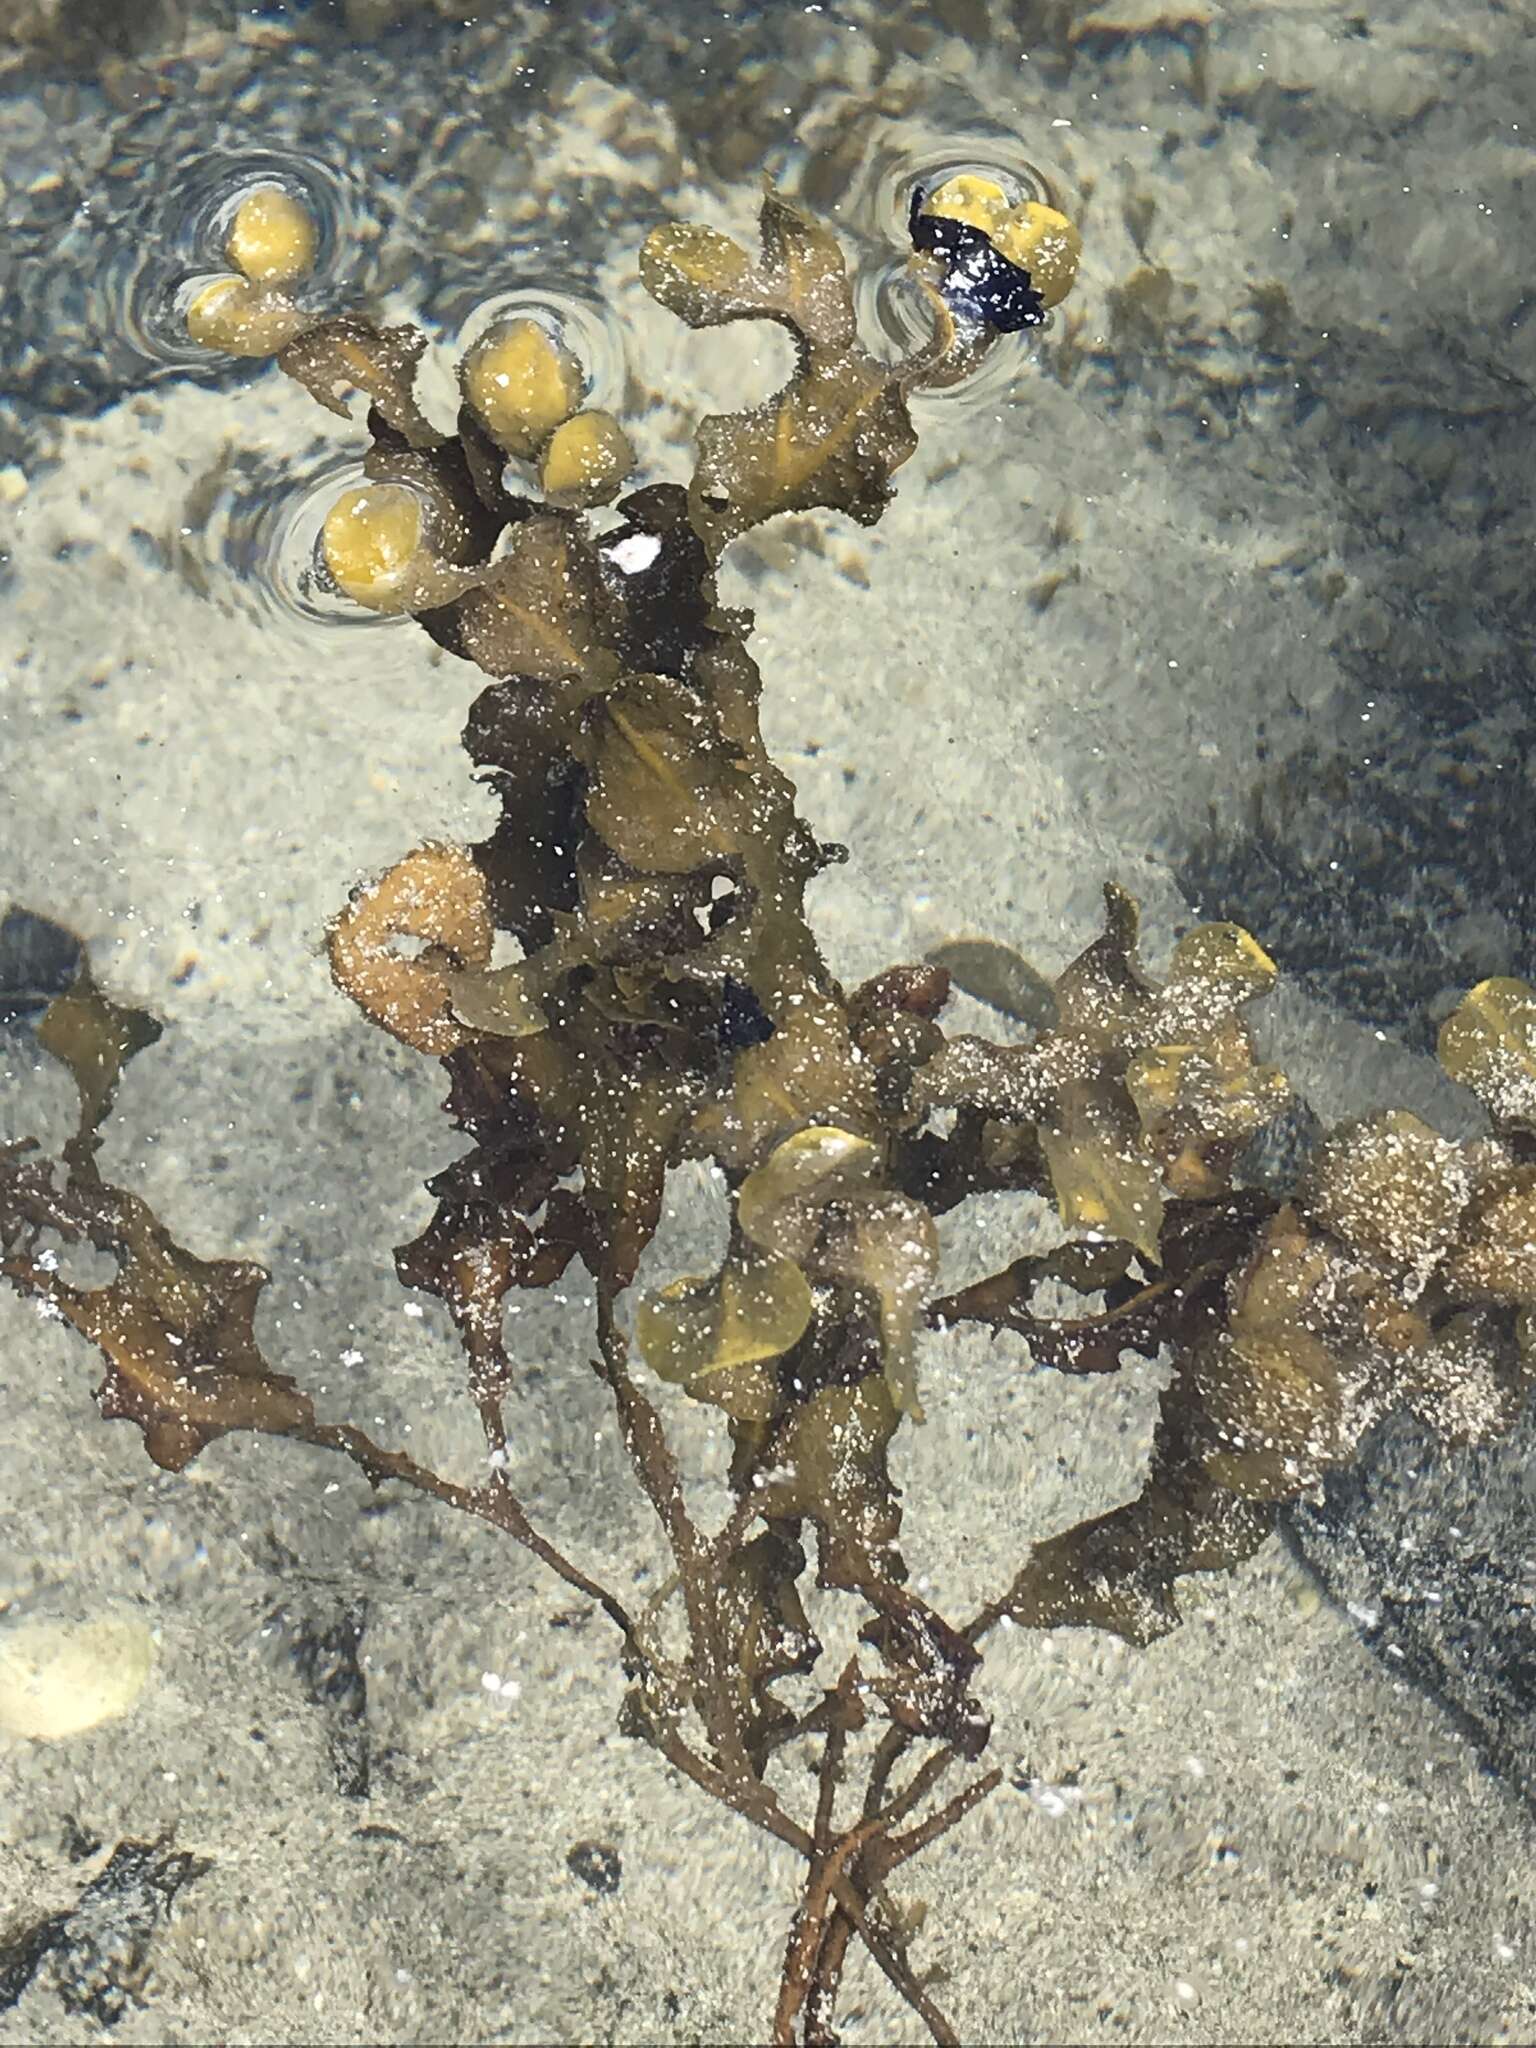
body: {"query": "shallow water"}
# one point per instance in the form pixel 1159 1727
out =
pixel 1219 587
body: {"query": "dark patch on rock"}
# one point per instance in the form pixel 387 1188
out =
pixel 326 1653
pixel 99 1948
pixel 38 960
pixel 597 1865
pixel 1433 1553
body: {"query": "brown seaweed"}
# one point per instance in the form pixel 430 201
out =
pixel 670 1002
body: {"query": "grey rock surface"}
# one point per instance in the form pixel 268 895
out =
pixel 1434 1558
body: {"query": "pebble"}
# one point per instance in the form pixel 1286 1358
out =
pixel 596 1864
pixel 58 1679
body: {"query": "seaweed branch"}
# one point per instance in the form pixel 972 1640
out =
pixel 669 1002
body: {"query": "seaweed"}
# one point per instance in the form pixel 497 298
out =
pixel 669 1002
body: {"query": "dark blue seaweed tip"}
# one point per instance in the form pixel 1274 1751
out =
pixel 978 283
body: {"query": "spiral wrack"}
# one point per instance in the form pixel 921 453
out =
pixel 1005 265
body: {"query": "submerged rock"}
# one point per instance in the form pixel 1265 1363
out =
pixel 1432 1552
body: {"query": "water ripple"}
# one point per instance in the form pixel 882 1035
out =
pixel 893 311
pixel 257 546
pixel 151 280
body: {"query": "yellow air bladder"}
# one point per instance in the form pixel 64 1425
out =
pixel 1035 237
pixel 585 460
pixel 271 243
pixel 370 541
pixel 523 383
pixel 272 238
pixel 242 319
